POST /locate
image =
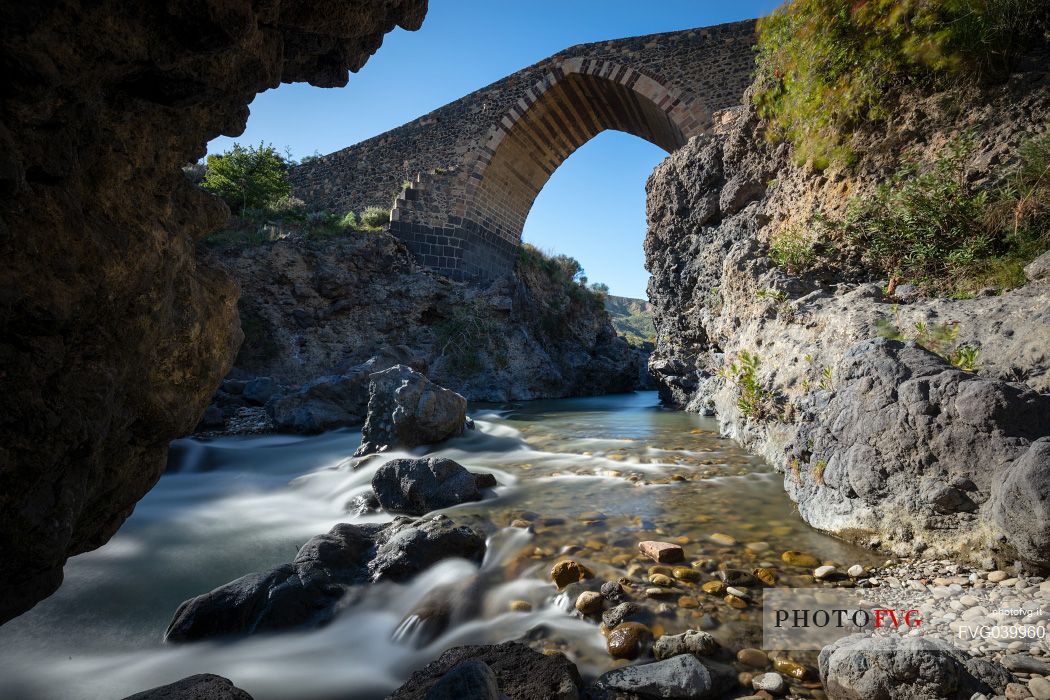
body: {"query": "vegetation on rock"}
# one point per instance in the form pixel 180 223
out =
pixel 248 177
pixel 254 182
pixel 827 67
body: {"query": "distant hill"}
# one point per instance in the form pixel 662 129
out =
pixel 632 318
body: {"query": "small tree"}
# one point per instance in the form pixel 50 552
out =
pixel 248 177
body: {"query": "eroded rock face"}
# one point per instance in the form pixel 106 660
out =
pixel 878 442
pixel 112 335
pixel 322 307
pixel 308 591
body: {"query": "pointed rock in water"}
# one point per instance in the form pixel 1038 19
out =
pixel 520 672
pixel 405 409
pixel 205 686
pixel 418 486
pixel 662 552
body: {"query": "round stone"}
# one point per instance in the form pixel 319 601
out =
pixel 627 640
pixel 1039 688
pixel 757 547
pixel 714 587
pixel 684 573
pixel 997 576
pixel 589 603
pixel 661 580
pixel 688 602
pixel 823 572
pixel 736 602
pixel 755 658
pixel 565 572
pixel 765 575
pixel 612 591
pixel 770 682
pixel 802 559
pixel 790 668
pixel 723 539
pixel 856 571
pixel 520 606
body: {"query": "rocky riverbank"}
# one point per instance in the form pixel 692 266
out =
pixel 900 420
pixel 320 315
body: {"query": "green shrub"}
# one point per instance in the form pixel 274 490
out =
pixel 932 228
pixel 375 217
pixel 349 221
pixel 825 67
pixel 792 248
pixel 754 401
pixel 938 338
pixel 288 207
pixel 248 177
pixel 924 226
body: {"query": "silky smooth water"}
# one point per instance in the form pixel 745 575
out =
pixel 231 506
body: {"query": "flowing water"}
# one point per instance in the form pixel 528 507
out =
pixel 593 477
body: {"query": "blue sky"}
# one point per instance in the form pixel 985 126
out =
pixel 593 208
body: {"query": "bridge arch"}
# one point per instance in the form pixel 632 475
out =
pixel 467 221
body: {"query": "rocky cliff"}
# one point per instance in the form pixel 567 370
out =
pixel 313 308
pixel 880 439
pixel 113 336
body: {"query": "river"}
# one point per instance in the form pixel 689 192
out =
pixel 594 475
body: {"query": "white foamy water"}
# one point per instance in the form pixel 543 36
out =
pixel 232 506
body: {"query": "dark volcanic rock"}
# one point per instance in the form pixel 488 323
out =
pixel 334 401
pixel 469 680
pixel 204 686
pixel 405 409
pixel 518 337
pixel 408 548
pixel 112 335
pixel 310 590
pixel 521 673
pixel 418 486
pixel 860 667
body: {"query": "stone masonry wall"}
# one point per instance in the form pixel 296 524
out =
pixel 476 165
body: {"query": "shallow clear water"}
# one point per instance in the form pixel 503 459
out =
pixel 236 505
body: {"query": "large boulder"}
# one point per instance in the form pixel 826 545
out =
pixel 863 667
pixel 113 335
pixel 405 409
pixel 918 451
pixel 418 486
pixel 204 686
pixel 521 673
pixel 333 401
pixel 308 591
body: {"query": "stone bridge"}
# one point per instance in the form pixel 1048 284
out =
pixel 463 178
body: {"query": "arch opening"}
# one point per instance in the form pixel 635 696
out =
pixel 468 223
